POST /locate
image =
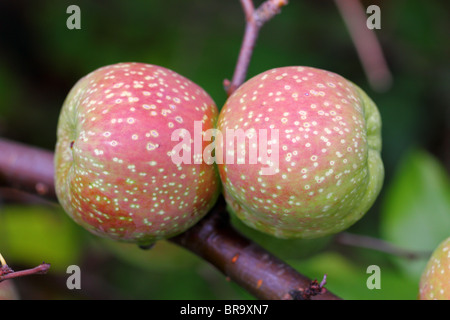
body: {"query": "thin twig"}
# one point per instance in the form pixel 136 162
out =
pixel 367 242
pixel 40 269
pixel 249 8
pixel 366 44
pixel 7 273
pixel 255 19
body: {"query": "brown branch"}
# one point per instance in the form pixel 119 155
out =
pixel 255 19
pixel 253 268
pixel 366 44
pixel 15 159
pixel 213 238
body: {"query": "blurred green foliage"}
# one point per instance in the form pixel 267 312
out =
pixel 40 60
pixel 29 233
pixel 416 210
pixel 349 278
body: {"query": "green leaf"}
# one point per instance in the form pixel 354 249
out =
pixel 416 208
pixel 30 235
pixel 348 279
pixel 164 255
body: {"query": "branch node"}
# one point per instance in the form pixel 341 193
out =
pixel 315 288
pixel 267 10
pixel 7 273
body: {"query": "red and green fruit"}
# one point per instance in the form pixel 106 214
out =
pixel 114 173
pixel 329 169
pixel 435 280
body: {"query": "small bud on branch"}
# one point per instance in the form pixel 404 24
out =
pixel 7 273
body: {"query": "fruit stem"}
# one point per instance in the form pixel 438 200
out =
pixel 255 19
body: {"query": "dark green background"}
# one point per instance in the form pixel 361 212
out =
pixel 40 60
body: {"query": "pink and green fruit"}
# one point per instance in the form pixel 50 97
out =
pixel 328 170
pixel 114 173
pixel 435 280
